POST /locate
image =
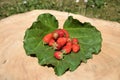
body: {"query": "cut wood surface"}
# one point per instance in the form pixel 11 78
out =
pixel 16 65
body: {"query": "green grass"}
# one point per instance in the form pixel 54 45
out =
pixel 103 9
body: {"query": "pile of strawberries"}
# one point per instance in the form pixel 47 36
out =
pixel 60 41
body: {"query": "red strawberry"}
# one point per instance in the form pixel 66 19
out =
pixel 51 42
pixel 62 41
pixel 47 38
pixel 66 33
pixel 75 41
pixel 67 48
pixel 58 33
pixel 61 33
pixel 75 48
pixel 58 55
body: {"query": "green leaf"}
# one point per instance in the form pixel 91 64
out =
pixel 34 34
pixel 89 38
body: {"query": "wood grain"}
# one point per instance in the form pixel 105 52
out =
pixel 16 65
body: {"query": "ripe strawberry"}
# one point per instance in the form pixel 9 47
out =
pixel 75 48
pixel 62 41
pixel 58 33
pixel 75 41
pixel 47 38
pixel 61 33
pixel 67 48
pixel 51 42
pixel 66 33
pixel 58 55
